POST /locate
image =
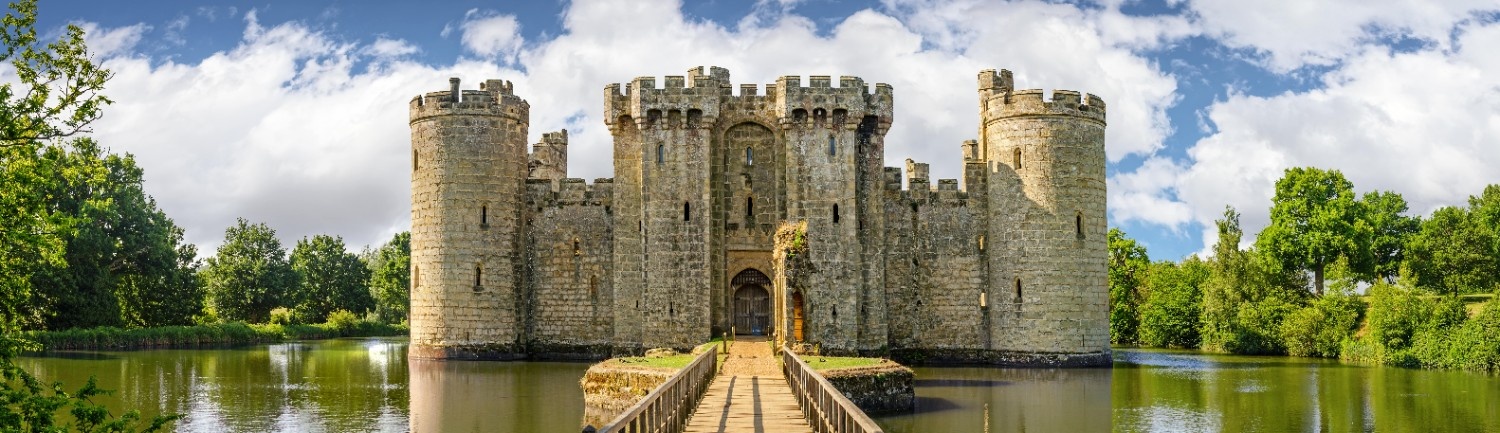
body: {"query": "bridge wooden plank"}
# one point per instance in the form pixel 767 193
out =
pixel 748 396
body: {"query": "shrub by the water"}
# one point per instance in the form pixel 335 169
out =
pixel 1319 329
pixel 206 335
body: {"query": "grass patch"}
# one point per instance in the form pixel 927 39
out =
pixel 836 362
pixel 110 338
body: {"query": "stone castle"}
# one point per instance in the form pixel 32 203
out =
pixel 511 259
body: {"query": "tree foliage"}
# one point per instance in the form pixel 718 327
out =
pixel 1127 268
pixel 1320 328
pixel 1454 252
pixel 1315 219
pixel 1247 296
pixel 250 274
pixel 1169 316
pixel 331 279
pixel 124 262
pixel 55 94
pixel 390 278
pixel 1383 212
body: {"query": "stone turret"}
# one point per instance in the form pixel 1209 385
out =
pixel 468 173
pixel 1048 276
pixel 549 157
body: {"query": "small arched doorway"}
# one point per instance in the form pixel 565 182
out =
pixel 797 317
pixel 752 303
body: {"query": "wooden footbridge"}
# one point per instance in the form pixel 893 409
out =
pixel 750 392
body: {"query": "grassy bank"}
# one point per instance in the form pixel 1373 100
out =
pixel 205 335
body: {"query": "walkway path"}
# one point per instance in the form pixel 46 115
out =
pixel 750 394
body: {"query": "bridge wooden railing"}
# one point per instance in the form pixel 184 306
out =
pixel 825 408
pixel 667 408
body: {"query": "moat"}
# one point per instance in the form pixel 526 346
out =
pixel 369 385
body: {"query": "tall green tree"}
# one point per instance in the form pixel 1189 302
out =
pixel 1246 297
pixel 1174 303
pixel 250 274
pixel 390 278
pixel 1383 212
pixel 122 263
pixel 331 279
pixel 1453 253
pixel 55 95
pixel 1315 219
pixel 1127 268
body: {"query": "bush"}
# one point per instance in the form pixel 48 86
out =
pixel 282 316
pixel 1319 329
pixel 342 320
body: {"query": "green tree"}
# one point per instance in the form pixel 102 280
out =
pixel 1127 267
pixel 390 278
pixel 54 95
pixel 1246 296
pixel 1169 317
pixel 122 263
pixel 1315 219
pixel 1453 253
pixel 331 279
pixel 250 275
pixel 1389 232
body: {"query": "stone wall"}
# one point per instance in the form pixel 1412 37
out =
pixel 569 257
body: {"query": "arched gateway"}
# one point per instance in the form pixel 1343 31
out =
pixel 752 303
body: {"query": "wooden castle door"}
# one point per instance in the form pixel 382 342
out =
pixel 752 310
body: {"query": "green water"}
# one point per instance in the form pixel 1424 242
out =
pixel 346 385
pixel 1177 391
pixel 368 385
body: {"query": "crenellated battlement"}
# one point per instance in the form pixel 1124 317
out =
pixel 690 101
pixel 494 98
pixel 820 104
pixel 544 193
pixel 999 99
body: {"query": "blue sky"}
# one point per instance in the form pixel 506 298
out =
pixel 293 113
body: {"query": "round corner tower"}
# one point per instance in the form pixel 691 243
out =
pixel 1045 162
pixel 468 151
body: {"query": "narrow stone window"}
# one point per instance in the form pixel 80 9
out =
pixel 832 147
pixel 1078 225
pixel 478 276
pixel 983 303
pixel 576 251
pixel 484 215
pixel 981 242
pixel 1018 290
pixel 661 153
pixel 835 313
pixel 687 211
pixel 416 276
pixel 750 207
pixel 1015 158
pixel 593 286
pixel 835 214
pixel 749 156
pixel 414 160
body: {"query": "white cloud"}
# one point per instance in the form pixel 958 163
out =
pixel 495 36
pixel 1424 124
pixel 294 128
pixel 1294 33
pixel 108 42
